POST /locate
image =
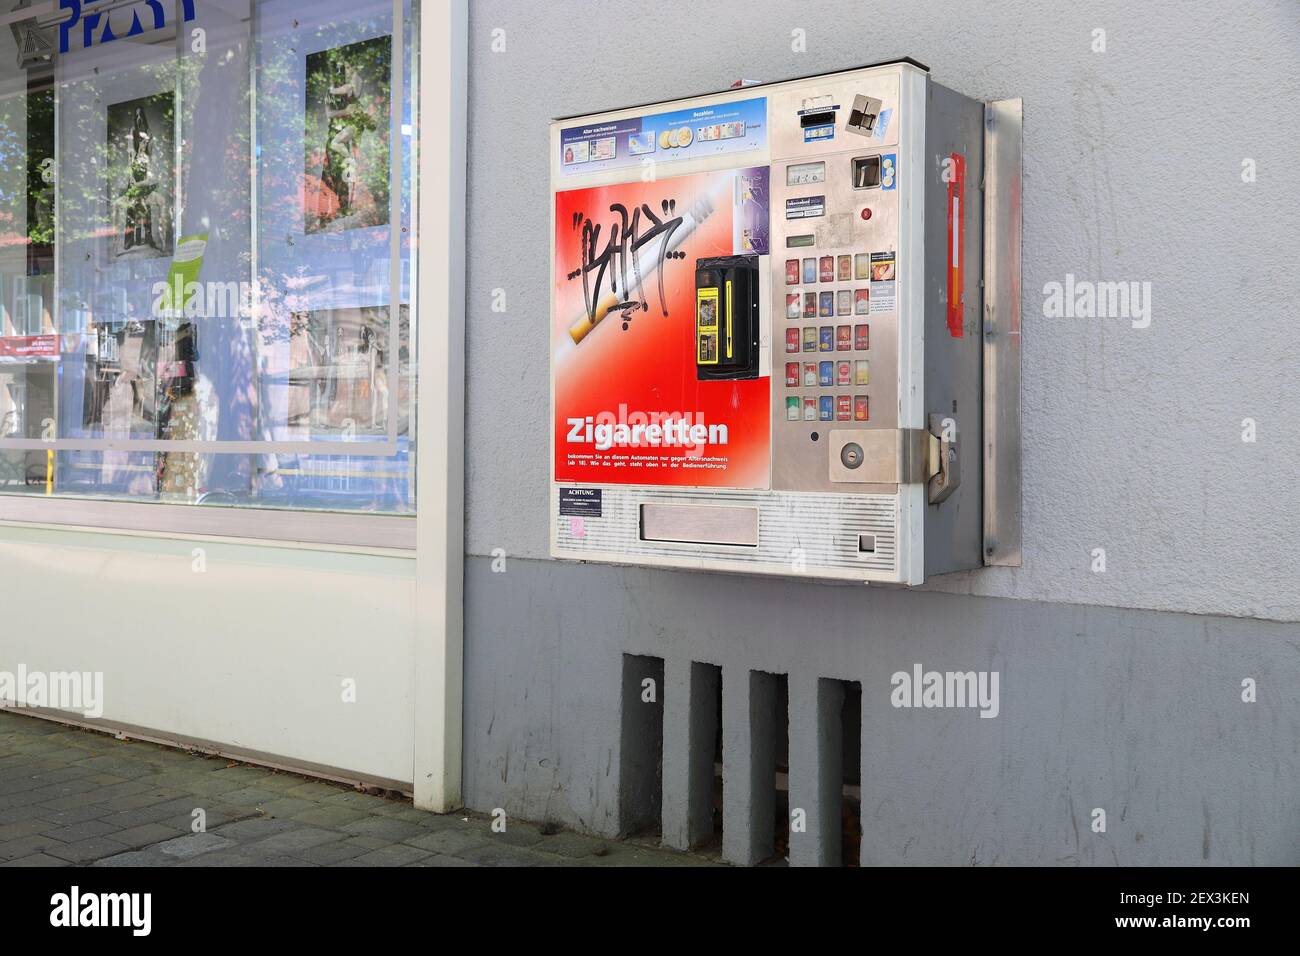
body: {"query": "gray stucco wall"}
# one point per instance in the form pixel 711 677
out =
pixel 1138 713
pixel 1132 440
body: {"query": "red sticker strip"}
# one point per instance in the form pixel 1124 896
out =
pixel 956 237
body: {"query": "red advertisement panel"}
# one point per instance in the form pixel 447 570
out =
pixel 19 347
pixel 629 406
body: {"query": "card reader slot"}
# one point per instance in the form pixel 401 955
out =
pixel 808 120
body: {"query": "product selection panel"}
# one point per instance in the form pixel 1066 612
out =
pixel 835 239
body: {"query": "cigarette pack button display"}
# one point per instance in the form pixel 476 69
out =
pixel 792 305
pixel 862 265
pixel 844 302
pixel 810 339
pixel 810 375
pixel 810 409
pixel 826 341
pixel 809 271
pixel 826 374
pixel 792 272
pixel 826 408
pixel 792 340
pixel 843 373
pixel 810 305
pixel 845 268
pixel 826 307
pixel 792 408
pixel 844 408
pixel 860 408
pixel 791 374
pixel 844 338
pixel 861 301
pixel 827 268
pixel 861 372
pixel 862 337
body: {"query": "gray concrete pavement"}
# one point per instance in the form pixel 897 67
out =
pixel 71 797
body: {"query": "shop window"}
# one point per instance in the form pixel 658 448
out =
pixel 207 254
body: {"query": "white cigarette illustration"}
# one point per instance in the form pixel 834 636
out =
pixel 700 210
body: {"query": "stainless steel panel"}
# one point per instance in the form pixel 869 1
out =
pixel 1003 121
pixel 699 524
pixel 863 456
pixel 954 364
pixel 799 462
pixel 878 456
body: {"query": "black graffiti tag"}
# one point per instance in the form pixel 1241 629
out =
pixel 619 260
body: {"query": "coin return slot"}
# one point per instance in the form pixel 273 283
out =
pixel 867 543
pixel 866 172
pixel 700 524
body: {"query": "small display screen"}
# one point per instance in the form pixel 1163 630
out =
pixel 794 242
pixel 804 174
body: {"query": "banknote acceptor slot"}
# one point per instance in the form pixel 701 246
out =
pixel 726 317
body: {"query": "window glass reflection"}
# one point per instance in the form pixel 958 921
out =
pixel 206 253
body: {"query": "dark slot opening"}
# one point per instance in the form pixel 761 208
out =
pixel 780 763
pixel 851 751
pixel 817 119
pixel 707 684
pixel 641 746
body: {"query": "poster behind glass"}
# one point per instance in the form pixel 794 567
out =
pixel 141 176
pixel 345 182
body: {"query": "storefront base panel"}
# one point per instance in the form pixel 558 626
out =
pixel 289 657
pixel 1114 736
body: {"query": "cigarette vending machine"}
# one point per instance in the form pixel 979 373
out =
pixel 785 330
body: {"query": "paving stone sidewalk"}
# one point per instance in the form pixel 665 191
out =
pixel 72 797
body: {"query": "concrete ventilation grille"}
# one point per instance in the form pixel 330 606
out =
pixel 825 527
pixel 718 765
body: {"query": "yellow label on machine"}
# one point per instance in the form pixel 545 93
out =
pixel 728 318
pixel 706 326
